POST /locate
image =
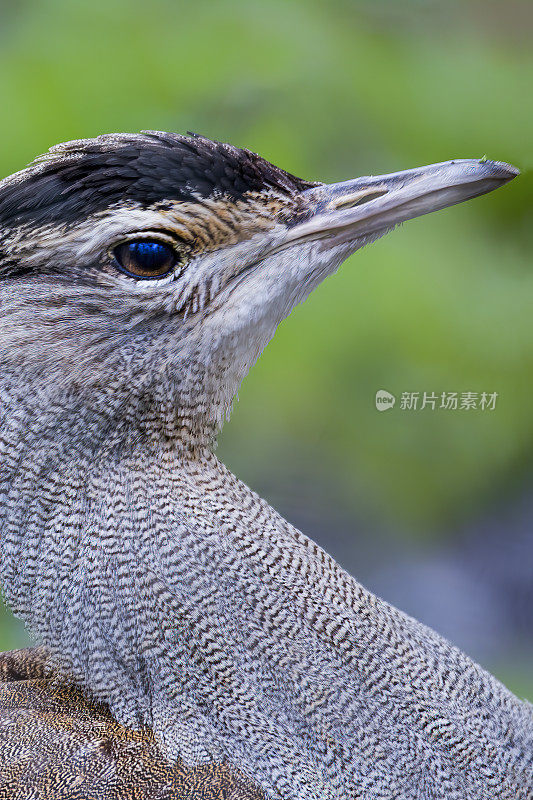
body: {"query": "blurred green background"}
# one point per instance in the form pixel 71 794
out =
pixel 430 508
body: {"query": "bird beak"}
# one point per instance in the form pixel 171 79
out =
pixel 365 206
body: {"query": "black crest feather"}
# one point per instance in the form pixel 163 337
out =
pixel 78 178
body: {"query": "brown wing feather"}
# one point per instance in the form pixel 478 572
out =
pixel 55 744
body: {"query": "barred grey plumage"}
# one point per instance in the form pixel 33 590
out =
pixel 153 575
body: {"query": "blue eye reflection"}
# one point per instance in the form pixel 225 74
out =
pixel 145 259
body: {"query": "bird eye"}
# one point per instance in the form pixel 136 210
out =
pixel 145 259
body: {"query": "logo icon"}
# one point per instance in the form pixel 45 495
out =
pixel 384 400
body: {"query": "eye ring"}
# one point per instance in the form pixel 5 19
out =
pixel 145 259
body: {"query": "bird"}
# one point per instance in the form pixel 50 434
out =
pixel 190 641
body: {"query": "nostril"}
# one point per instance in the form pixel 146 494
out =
pixel 359 198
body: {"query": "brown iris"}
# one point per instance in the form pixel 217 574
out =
pixel 145 259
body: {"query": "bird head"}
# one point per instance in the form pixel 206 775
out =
pixel 142 275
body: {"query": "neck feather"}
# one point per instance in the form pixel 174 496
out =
pixel 174 593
